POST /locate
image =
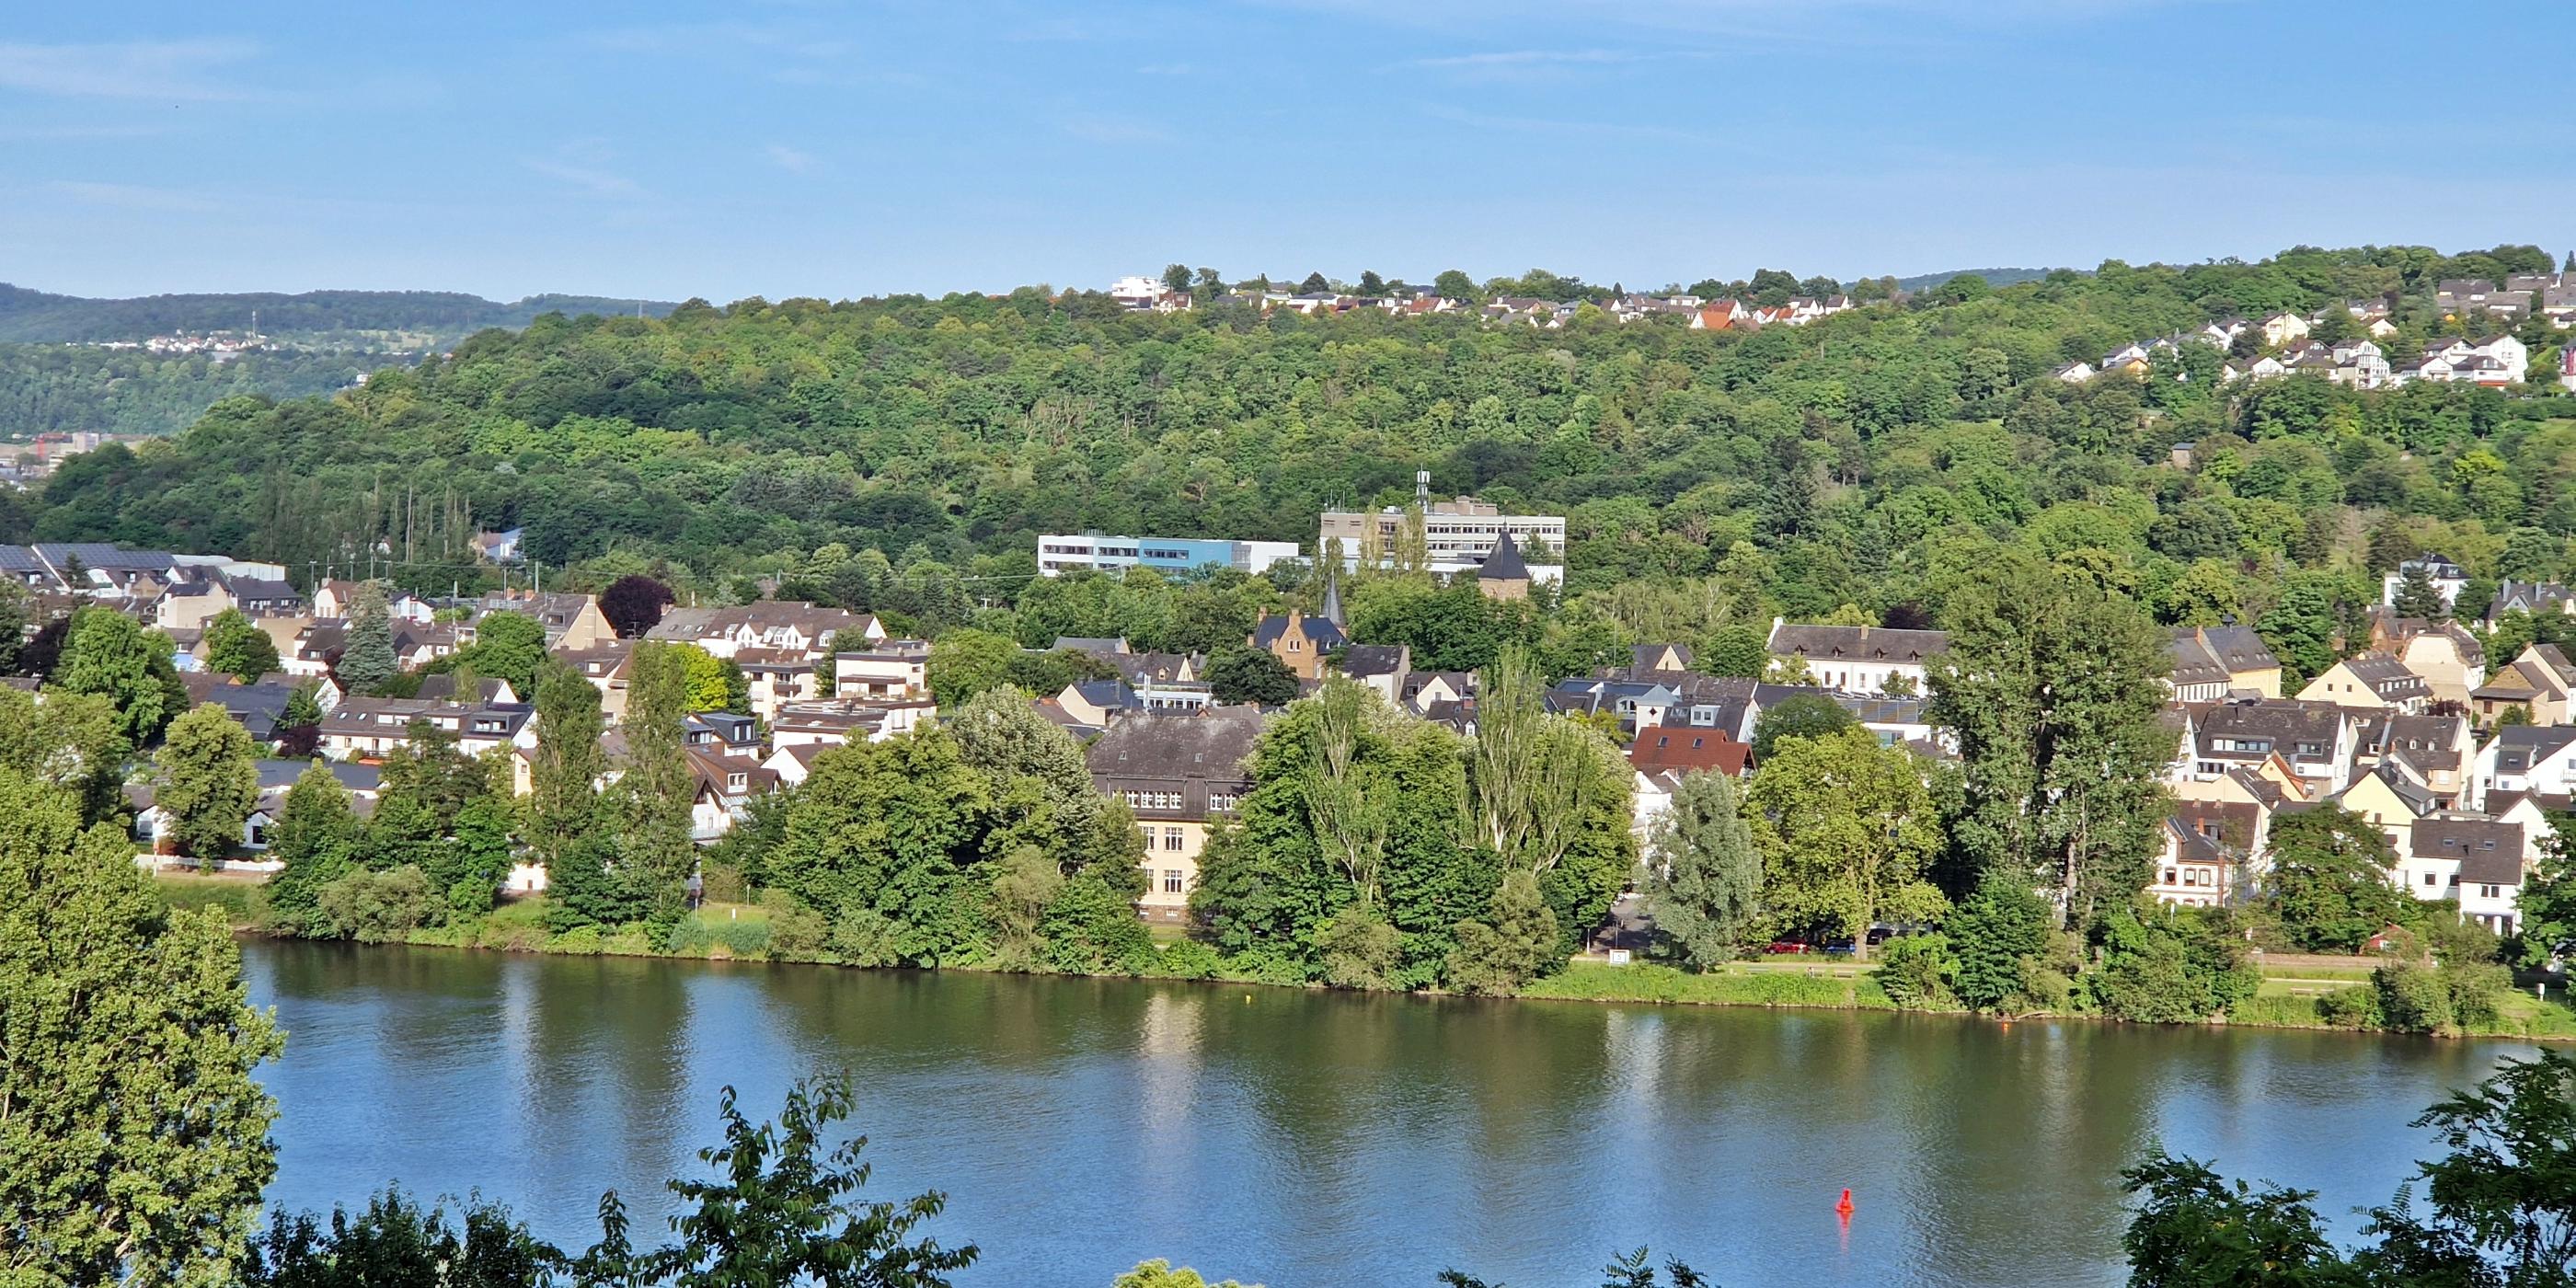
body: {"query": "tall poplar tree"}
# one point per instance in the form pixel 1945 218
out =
pixel 658 785
pixel 2052 685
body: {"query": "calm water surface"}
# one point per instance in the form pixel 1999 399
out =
pixel 1309 1140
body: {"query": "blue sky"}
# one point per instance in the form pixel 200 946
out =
pixel 721 150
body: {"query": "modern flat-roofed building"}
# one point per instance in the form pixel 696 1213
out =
pixel 1059 554
pixel 1456 536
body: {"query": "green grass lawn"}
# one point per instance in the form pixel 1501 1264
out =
pixel 240 898
pixel 1740 984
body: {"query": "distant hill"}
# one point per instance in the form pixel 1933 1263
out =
pixel 28 316
pixel 1993 276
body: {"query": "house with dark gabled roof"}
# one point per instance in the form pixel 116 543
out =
pixel 2370 680
pixel 2210 662
pixel 2533 597
pixel 1659 657
pixel 1179 775
pixel 2207 845
pixel 1858 659
pixel 1382 667
pixel 2479 862
pixel 2313 739
pixel 2533 759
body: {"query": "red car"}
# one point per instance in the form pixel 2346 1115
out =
pixel 1785 946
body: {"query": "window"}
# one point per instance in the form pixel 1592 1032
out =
pixel 2486 892
pixel 1174 838
pixel 2169 876
pixel 2428 878
pixel 1171 881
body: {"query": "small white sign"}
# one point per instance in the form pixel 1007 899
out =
pixel 1619 957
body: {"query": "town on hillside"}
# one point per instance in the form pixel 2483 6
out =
pixel 2459 756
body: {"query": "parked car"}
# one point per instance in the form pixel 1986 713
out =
pixel 1786 946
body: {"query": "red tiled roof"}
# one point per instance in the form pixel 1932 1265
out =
pixel 1681 748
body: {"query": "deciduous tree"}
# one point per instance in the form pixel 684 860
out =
pixel 133 1139
pixel 2328 883
pixel 206 781
pixel 237 646
pixel 2052 685
pixel 1703 872
pixel 634 604
pixel 110 654
pixel 1848 832
pixel 315 841
pixel 1250 675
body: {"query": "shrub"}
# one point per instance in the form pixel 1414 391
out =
pixel 796 934
pixel 579 941
pixel 1360 948
pixel 2350 1008
pixel 373 907
pixel 1188 959
pixel 723 883
pixel 2476 990
pixel 2412 998
pixel 1915 972
pixel 867 937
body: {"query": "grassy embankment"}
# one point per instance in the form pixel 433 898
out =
pixel 730 931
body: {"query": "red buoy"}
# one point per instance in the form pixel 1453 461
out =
pixel 1845 1207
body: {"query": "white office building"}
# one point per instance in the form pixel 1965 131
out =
pixel 1058 554
pixel 1457 535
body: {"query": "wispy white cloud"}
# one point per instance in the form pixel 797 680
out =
pixel 130 196
pixel 789 159
pixel 587 178
pixel 162 69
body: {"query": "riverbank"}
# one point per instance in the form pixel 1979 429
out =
pixel 2293 996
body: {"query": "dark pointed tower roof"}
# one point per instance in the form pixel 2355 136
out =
pixel 1332 595
pixel 1505 563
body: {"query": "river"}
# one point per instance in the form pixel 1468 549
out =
pixel 1321 1140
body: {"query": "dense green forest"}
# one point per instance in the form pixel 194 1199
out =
pixel 1871 461
pixel 45 388
pixel 38 317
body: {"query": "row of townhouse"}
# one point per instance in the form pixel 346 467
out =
pixel 2553 295
pixel 174 592
pixel 1138 294
pixel 2416 777
pixel 2496 361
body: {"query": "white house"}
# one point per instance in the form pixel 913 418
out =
pixel 2528 759
pixel 1858 659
